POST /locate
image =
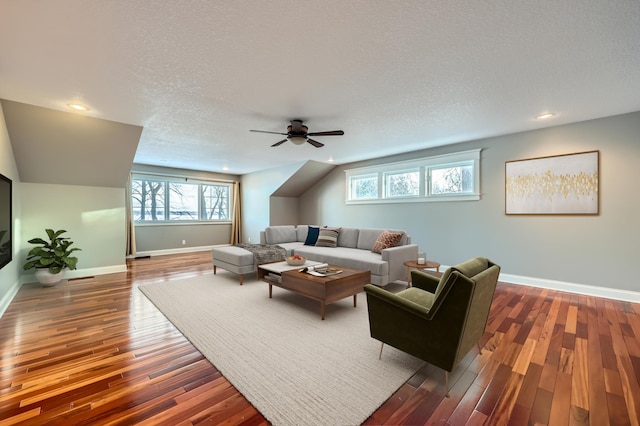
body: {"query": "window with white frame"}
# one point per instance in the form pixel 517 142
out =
pixel 450 177
pixel 402 183
pixel 363 187
pixel 177 200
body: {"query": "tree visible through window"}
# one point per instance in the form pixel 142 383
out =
pixel 157 200
pixel 215 202
pixel 364 187
pixel 456 179
pixel 403 184
pixel 183 201
pixel 147 200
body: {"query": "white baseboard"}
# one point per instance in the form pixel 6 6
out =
pixel 8 296
pixel 588 290
pixel 80 273
pixel 174 251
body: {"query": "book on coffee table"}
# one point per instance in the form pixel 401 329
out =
pixel 322 270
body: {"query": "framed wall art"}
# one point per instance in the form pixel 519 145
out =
pixel 556 185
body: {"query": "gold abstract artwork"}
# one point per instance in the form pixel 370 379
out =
pixel 563 184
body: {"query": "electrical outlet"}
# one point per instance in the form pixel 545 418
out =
pixel 184 242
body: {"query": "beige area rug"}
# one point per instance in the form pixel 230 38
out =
pixel 293 367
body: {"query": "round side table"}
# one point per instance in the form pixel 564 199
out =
pixel 413 264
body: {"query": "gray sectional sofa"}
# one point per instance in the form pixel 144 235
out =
pixel 353 250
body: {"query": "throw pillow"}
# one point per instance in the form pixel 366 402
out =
pixel 386 240
pixel 328 237
pixel 312 236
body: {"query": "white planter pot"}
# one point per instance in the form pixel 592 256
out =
pixel 48 279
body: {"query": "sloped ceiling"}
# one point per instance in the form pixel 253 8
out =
pixel 303 179
pixel 58 147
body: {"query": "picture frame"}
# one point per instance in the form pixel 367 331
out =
pixel 567 184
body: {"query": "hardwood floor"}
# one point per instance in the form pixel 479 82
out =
pixel 96 351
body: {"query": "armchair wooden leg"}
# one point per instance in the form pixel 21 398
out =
pixel 446 383
pixel 479 348
pixel 381 346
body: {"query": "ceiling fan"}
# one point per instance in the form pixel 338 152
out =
pixel 297 134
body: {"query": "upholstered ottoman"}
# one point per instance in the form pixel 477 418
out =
pixel 233 259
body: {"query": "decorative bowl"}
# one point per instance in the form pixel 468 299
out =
pixel 295 262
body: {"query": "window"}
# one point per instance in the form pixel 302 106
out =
pixel 451 177
pixel 215 202
pixel 166 199
pixel 402 184
pixel 364 187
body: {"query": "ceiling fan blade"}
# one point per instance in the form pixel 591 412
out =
pixel 279 143
pixel 264 131
pixel 315 143
pixel 329 133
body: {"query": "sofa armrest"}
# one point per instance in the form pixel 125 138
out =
pixel 396 256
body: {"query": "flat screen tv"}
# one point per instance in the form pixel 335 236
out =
pixel 6 246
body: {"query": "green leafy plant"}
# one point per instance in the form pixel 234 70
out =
pixel 54 254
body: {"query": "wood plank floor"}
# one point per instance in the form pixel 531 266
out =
pixel 96 351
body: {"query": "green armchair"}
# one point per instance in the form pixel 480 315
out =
pixel 436 320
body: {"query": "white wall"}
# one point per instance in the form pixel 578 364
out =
pixel 596 251
pixel 94 218
pixel 9 275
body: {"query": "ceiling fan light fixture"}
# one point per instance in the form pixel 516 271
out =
pixel 297 140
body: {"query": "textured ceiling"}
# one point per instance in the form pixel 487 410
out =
pixel 396 76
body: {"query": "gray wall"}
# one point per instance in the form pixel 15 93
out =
pixel 283 210
pixel 593 250
pixel 170 237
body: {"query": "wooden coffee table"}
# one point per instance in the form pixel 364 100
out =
pixel 326 290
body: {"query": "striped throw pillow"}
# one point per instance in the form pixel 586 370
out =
pixel 328 237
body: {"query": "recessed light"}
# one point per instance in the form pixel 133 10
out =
pixel 78 107
pixel 545 116
pixel 225 168
pixel 330 159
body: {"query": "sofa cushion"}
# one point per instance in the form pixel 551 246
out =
pixel 291 247
pixel 280 234
pixel 363 260
pixel 386 240
pixel 328 237
pixel 312 236
pixel 233 255
pixel 348 237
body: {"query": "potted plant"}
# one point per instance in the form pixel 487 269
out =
pixel 51 258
